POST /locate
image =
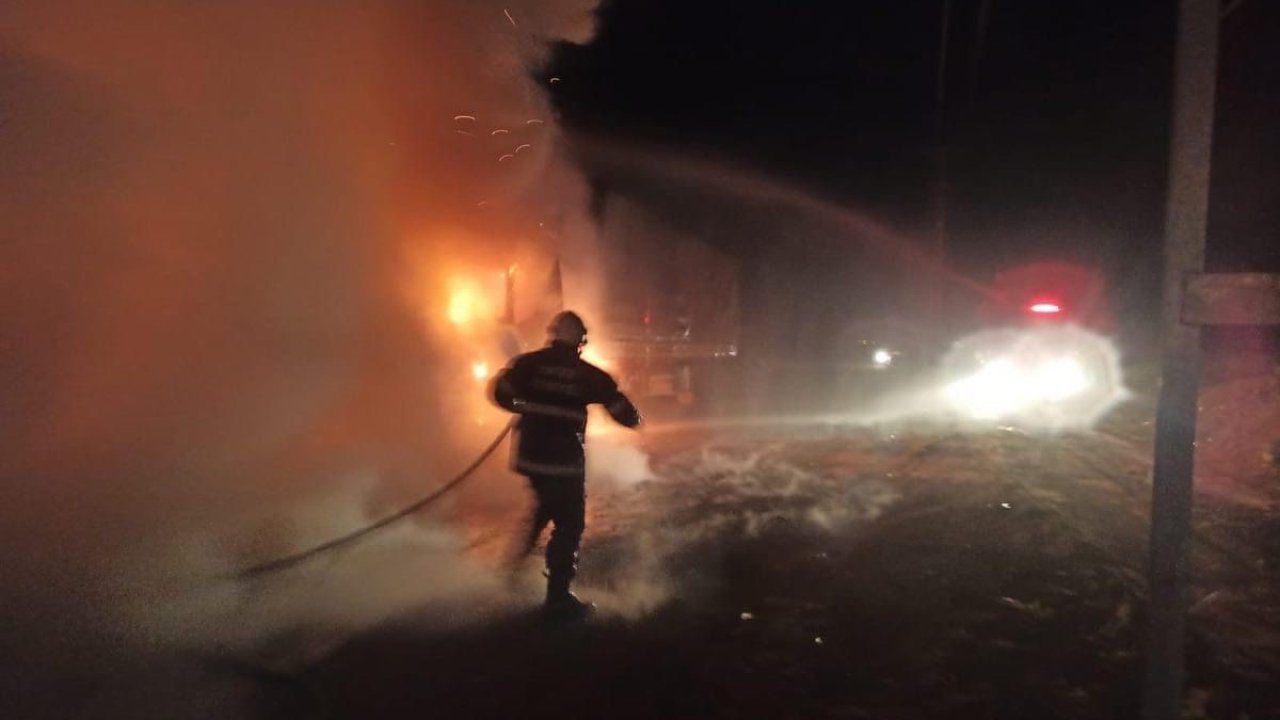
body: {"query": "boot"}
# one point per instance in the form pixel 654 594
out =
pixel 563 604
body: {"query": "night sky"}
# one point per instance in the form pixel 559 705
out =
pixel 1055 121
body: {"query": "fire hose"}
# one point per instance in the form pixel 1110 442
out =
pixel 288 561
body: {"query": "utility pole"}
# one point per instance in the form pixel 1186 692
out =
pixel 940 200
pixel 1186 220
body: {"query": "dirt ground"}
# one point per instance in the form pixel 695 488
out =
pixel 838 572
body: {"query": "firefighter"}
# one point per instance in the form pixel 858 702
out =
pixel 550 390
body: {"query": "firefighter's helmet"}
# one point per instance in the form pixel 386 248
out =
pixel 567 327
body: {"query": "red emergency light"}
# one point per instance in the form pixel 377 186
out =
pixel 1045 308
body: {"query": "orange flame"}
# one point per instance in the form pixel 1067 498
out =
pixel 592 354
pixel 468 303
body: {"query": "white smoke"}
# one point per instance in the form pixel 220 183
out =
pixel 227 238
pixel 712 496
pixel 614 460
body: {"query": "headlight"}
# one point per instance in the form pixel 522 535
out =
pixel 882 357
pixel 1060 379
pixel 1062 376
pixel 1008 386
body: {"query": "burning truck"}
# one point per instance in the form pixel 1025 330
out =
pixel 661 306
pixel 668 315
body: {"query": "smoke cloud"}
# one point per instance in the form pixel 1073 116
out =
pixel 230 235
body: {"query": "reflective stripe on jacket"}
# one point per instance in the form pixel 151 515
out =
pixel 550 389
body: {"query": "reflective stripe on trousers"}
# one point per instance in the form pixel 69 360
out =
pixel 529 467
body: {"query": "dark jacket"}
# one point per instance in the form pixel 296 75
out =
pixel 550 389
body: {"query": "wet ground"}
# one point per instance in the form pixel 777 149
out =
pixel 830 571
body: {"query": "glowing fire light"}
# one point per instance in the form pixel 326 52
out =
pixel 467 303
pixel 480 370
pixel 592 355
pixel 1046 308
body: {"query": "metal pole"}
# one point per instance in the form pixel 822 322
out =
pixel 979 39
pixel 1186 216
pixel 1231 7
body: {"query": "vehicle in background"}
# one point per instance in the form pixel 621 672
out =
pixel 1043 357
pixel 1049 293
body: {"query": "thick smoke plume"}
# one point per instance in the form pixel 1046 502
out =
pixel 230 234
